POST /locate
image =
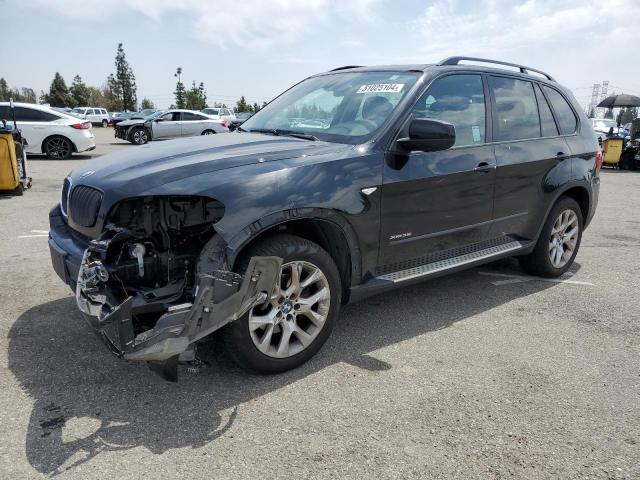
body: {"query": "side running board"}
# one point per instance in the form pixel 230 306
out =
pixel 453 262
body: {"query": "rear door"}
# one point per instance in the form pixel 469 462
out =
pixel 35 126
pixel 442 200
pixel 192 124
pixel 530 153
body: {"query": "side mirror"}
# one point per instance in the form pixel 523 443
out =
pixel 426 135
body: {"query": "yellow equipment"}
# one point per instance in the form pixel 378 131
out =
pixel 611 150
pixel 9 175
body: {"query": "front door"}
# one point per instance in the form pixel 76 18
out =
pixel 440 200
pixel 167 126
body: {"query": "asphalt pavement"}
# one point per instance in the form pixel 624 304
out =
pixel 487 373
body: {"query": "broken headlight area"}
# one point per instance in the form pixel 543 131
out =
pixel 142 286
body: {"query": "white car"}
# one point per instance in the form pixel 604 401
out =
pixel 97 116
pixel 603 125
pixel 225 115
pixel 48 131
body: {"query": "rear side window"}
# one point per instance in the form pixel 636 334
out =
pixel 566 118
pixel 549 128
pixel 516 109
pixel 31 115
pixel 459 100
pixel 187 116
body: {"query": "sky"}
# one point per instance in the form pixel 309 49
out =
pixel 258 48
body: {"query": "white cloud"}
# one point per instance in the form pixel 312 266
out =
pixel 352 43
pixel 246 23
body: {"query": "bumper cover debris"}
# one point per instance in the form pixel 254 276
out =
pixel 220 297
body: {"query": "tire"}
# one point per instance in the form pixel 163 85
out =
pixel 208 132
pixel 105 123
pixel 138 136
pixel 626 162
pixel 553 241
pixel 58 147
pixel 242 343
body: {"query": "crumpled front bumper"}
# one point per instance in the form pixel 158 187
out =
pixel 221 297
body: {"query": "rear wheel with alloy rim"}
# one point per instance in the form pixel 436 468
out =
pixel 208 132
pixel 105 123
pixel 139 136
pixel 559 241
pixel 294 323
pixel 58 147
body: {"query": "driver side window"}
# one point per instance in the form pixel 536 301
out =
pixel 459 100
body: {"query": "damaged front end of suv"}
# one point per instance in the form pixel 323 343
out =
pixel 155 281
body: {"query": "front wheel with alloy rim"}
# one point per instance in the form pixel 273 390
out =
pixel 208 132
pixel 58 147
pixel 294 323
pixel 139 136
pixel 559 241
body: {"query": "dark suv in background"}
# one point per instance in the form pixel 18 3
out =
pixel 351 183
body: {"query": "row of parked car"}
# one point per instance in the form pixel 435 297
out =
pixel 61 132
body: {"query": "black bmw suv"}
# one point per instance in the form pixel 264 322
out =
pixel 351 183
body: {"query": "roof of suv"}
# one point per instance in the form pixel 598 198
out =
pixel 453 63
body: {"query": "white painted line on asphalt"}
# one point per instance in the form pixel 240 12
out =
pixel 40 231
pixel 34 236
pixel 526 278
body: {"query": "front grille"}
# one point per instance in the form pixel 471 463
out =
pixel 64 195
pixel 84 205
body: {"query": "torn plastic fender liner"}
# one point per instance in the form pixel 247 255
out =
pixel 220 298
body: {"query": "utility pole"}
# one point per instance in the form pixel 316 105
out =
pixel 594 100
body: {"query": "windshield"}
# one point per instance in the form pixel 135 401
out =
pixel 344 107
pixel 602 123
pixel 154 115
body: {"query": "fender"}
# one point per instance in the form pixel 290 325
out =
pixel 241 239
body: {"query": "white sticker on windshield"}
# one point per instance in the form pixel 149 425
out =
pixel 475 131
pixel 381 88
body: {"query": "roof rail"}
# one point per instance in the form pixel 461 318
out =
pixel 346 67
pixel 523 69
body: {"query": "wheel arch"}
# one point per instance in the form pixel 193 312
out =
pixel 326 228
pixel 577 191
pixel 48 137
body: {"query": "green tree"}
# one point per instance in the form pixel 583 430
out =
pixel 58 95
pixel 127 89
pixel 180 92
pixel 4 90
pixel 626 115
pixel 79 92
pixel 146 104
pixel 28 95
pixel 242 105
pixel 112 91
pixel 96 97
pixel 196 98
pixel 256 107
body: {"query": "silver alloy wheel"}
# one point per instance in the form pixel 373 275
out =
pixel 208 132
pixel 564 238
pixel 58 147
pixel 295 314
pixel 140 137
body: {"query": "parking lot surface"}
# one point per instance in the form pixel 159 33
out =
pixel 487 373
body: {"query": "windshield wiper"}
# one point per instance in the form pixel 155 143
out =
pixel 287 133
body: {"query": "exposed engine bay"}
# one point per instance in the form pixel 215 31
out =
pixel 156 280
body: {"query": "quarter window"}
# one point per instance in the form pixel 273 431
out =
pixel 459 100
pixel 566 118
pixel 187 116
pixel 549 128
pixel 516 109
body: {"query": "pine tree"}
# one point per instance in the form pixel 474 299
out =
pixel 242 105
pixel 147 104
pixel 80 93
pixel 4 90
pixel 58 95
pixel 112 93
pixel 256 107
pixel 180 93
pixel 127 89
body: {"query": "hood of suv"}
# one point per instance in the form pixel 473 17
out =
pixel 139 169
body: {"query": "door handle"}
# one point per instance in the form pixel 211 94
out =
pixel 484 167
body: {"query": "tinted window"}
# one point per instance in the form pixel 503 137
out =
pixel 31 115
pixel 549 128
pixel 5 114
pixel 516 109
pixel 186 116
pixel 566 118
pixel 171 117
pixel 459 100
